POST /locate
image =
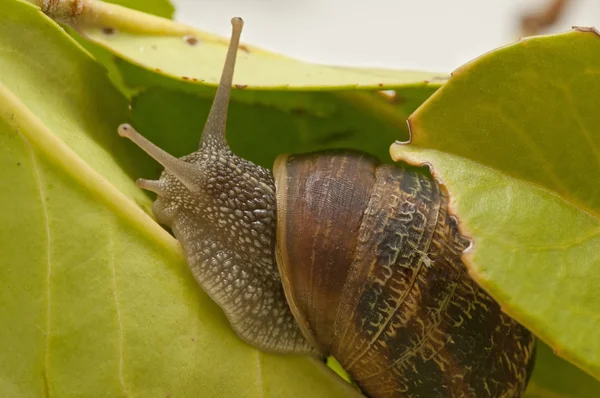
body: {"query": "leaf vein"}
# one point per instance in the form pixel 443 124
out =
pixel 582 127
pixel 526 140
pixel 259 376
pixel 111 252
pixel 40 186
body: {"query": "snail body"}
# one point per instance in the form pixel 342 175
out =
pixel 336 254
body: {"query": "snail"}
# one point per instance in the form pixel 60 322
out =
pixel 337 254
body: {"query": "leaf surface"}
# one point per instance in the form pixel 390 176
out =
pixel 95 297
pixel 171 111
pixel 184 53
pixel 514 136
pixel 555 378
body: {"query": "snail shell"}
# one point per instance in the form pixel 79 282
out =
pixel 368 264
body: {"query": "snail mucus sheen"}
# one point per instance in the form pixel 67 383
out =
pixel 336 254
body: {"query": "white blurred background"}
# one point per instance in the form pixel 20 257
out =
pixel 433 35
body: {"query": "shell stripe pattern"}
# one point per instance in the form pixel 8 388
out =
pixel 409 321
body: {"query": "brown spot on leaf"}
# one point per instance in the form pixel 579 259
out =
pixel 240 86
pixel 380 84
pixel 299 111
pixel 108 31
pixel 185 78
pixel 18 163
pixel 244 48
pixel 194 79
pixel 158 70
pixel 191 40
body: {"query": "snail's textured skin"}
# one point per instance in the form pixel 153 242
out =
pixel 382 287
pixel 227 231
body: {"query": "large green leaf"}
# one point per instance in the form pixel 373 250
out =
pixel 302 120
pixel 172 113
pixel 96 299
pixel 514 136
pixel 187 54
pixel 171 110
pixel 174 120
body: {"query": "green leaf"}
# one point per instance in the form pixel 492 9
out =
pixel 514 136
pixel 289 121
pixel 296 122
pixel 161 8
pixel 183 53
pixel 556 378
pixel 171 111
pixel 310 120
pixel 96 299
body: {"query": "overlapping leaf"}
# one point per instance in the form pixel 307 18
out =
pixel 514 136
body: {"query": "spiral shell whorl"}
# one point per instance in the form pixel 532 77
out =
pixel 410 321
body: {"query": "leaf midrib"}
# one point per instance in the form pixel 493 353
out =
pixel 56 151
pixel 37 135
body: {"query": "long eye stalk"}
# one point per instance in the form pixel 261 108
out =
pixel 183 171
pixel 214 129
pixel 213 136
